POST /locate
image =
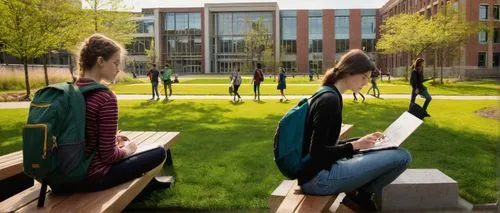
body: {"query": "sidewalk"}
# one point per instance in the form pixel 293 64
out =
pixel 13 105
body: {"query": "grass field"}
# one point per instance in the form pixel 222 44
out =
pixel 224 159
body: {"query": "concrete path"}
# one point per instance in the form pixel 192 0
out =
pixel 13 105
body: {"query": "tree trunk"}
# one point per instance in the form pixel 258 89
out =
pixel 95 15
pixel 442 65
pixel 26 79
pixel 436 59
pixel 45 70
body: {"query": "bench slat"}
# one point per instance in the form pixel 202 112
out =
pixel 168 140
pixel 316 204
pixel 10 156
pixel 292 200
pixel 21 199
pixel 132 135
pixel 11 168
pixel 143 137
pixel 111 200
pixel 279 194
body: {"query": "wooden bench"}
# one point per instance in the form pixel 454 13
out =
pixel 111 200
pixel 287 197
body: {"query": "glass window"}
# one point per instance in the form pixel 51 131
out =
pixel 181 22
pixel 483 37
pixel 145 26
pixel 368 12
pixel 496 12
pixel 368 27
pixel 341 45
pixel 139 46
pixel 496 59
pixel 170 21
pixel 368 45
pixel 288 28
pixel 481 59
pixel 496 35
pixel 315 13
pixel 483 12
pixel 288 13
pixel 195 21
pixel 342 27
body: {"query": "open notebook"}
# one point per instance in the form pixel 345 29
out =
pixel 397 132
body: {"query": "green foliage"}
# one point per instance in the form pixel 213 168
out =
pixel 110 18
pixel 405 33
pixel 257 41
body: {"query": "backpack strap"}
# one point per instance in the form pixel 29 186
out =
pixel 91 87
pixel 321 91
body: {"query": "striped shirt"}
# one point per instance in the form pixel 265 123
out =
pixel 101 125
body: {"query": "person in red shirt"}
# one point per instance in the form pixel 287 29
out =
pixel 258 77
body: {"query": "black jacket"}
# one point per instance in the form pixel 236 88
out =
pixel 322 133
pixel 417 80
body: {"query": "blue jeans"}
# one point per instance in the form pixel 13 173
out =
pixel 424 93
pixel 256 89
pixel 368 172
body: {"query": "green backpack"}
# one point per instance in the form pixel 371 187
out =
pixel 167 73
pixel 54 136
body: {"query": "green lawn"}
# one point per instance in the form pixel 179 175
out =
pixel 224 158
pixel 220 87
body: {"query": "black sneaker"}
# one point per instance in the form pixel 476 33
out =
pixel 355 203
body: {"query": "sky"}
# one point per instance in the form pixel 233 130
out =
pixel 283 4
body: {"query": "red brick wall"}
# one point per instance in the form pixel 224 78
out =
pixel 302 40
pixel 328 39
pixel 355 29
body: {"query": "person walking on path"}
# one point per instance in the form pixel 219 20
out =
pixel 258 77
pixel 167 81
pixel 417 84
pixel 374 76
pixel 153 76
pixel 282 84
pixel 356 98
pixel 236 82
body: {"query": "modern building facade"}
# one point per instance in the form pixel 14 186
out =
pixel 481 52
pixel 198 37
pixel 211 38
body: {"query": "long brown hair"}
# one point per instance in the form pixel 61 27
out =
pixel 94 46
pixel 417 65
pixel 353 62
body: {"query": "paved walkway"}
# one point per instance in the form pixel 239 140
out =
pixel 12 105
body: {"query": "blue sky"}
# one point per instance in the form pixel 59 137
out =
pixel 283 4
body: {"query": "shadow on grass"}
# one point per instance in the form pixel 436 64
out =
pixel 224 158
pixel 227 162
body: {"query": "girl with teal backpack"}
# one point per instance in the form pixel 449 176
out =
pixel 307 146
pixel 70 141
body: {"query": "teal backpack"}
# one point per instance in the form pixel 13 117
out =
pixel 289 137
pixel 54 136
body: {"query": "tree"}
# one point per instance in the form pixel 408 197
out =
pixel 451 31
pixel 22 32
pixel 150 52
pixel 406 33
pixel 257 41
pixel 60 31
pixel 110 18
